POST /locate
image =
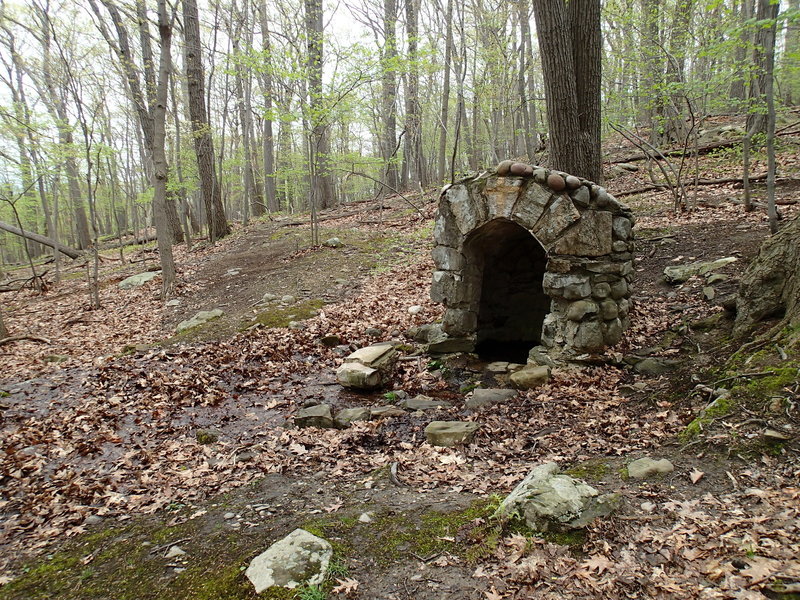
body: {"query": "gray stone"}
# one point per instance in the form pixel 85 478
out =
pixel 647 467
pixel 458 321
pixel 570 286
pixel 582 196
pixel 414 310
pixel 530 377
pixel 315 416
pixel 296 325
pixel 628 167
pixel 422 402
pixel 425 333
pixel 379 412
pixel 579 310
pixel 619 246
pixel 656 366
pixel 538 356
pixel 346 416
pixel 135 281
pixel 609 309
pixel 358 376
pixel 228 516
pixel 444 344
pixel 540 175
pixel 588 337
pixel 549 500
pixel 498 366
pixel 680 273
pixel 333 242
pixel 486 397
pixel 465 213
pixel 558 216
pixel 612 331
pixel 447 259
pixel 367 368
pixel 175 552
pixel 622 228
pixel 93 520
pixel 573 183
pixel 601 290
pixel 269 297
pixel 288 299
pixel 299 558
pixel 450 433
pixel 709 293
pixel 173 303
pixel 619 289
pixel 201 318
pixel 373 332
pixel 716 278
pixel 528 211
pixel 590 237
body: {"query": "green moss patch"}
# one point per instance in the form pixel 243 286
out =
pixel 280 316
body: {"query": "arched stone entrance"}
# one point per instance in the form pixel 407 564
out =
pixel 510 302
pixel 540 258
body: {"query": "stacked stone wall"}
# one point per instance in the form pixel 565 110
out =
pixel 586 232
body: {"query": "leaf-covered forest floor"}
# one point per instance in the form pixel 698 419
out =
pixel 103 471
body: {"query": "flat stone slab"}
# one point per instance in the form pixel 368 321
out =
pixel 315 416
pixel 347 416
pixel 299 558
pixel 485 397
pixel 450 433
pixel 356 375
pixel 367 368
pixel 423 403
pixel 378 412
pixel 675 274
pixel 135 281
pixel 642 468
pixel 371 356
pixel 201 318
pixel 530 377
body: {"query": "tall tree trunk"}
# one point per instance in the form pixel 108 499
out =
pixel 160 167
pixel 791 56
pixel 738 89
pixel 319 151
pixel 201 131
pixel 448 53
pixel 413 142
pixel 268 140
pixel 389 93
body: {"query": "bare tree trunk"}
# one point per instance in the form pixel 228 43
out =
pixel 268 144
pixel 389 93
pixel 201 132
pixel 160 168
pixel 41 239
pixel 448 53
pixel 413 153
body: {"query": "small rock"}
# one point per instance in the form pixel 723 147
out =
pixel 297 325
pixel 365 517
pixel 173 302
pixel 347 416
pixel 288 299
pixel 504 167
pixel 647 467
pixel 315 416
pixel 485 397
pixel 555 182
pixel 709 293
pixel 573 183
pixel 450 433
pixel 421 402
pixel 713 278
pixel 206 436
pixel 228 516
pixel 269 297
pixel 500 366
pixel 93 520
pixel 135 281
pixel 775 435
pixel 330 341
pixel 656 366
pixel 379 412
pixel 373 332
pixel 414 310
pixel 299 558
pixel 174 552
pixel 333 242
pixel 530 377
pixel 519 169
pixel 201 318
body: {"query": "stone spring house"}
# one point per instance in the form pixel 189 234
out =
pixel 529 257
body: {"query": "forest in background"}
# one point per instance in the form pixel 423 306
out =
pixel 228 110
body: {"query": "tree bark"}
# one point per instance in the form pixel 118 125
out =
pixel 201 131
pixel 268 142
pixel 448 53
pixel 389 93
pixel 414 165
pixel 565 34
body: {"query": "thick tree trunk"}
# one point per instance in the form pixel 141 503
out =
pixel 201 132
pixel 389 93
pixel 770 287
pixel 414 166
pixel 448 54
pixel 268 143
pixel 41 239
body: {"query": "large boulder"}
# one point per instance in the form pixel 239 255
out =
pixel 679 273
pixel 315 416
pixel 299 558
pixel 547 499
pixel 367 368
pixel 201 318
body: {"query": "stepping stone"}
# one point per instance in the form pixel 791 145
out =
pixel 530 377
pixel 450 433
pixel 647 467
pixel 423 403
pixel 315 416
pixel 485 397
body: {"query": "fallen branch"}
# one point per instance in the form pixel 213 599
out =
pixel 19 338
pixel 65 250
pixel 721 181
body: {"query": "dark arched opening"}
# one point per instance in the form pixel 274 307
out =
pixel 510 265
